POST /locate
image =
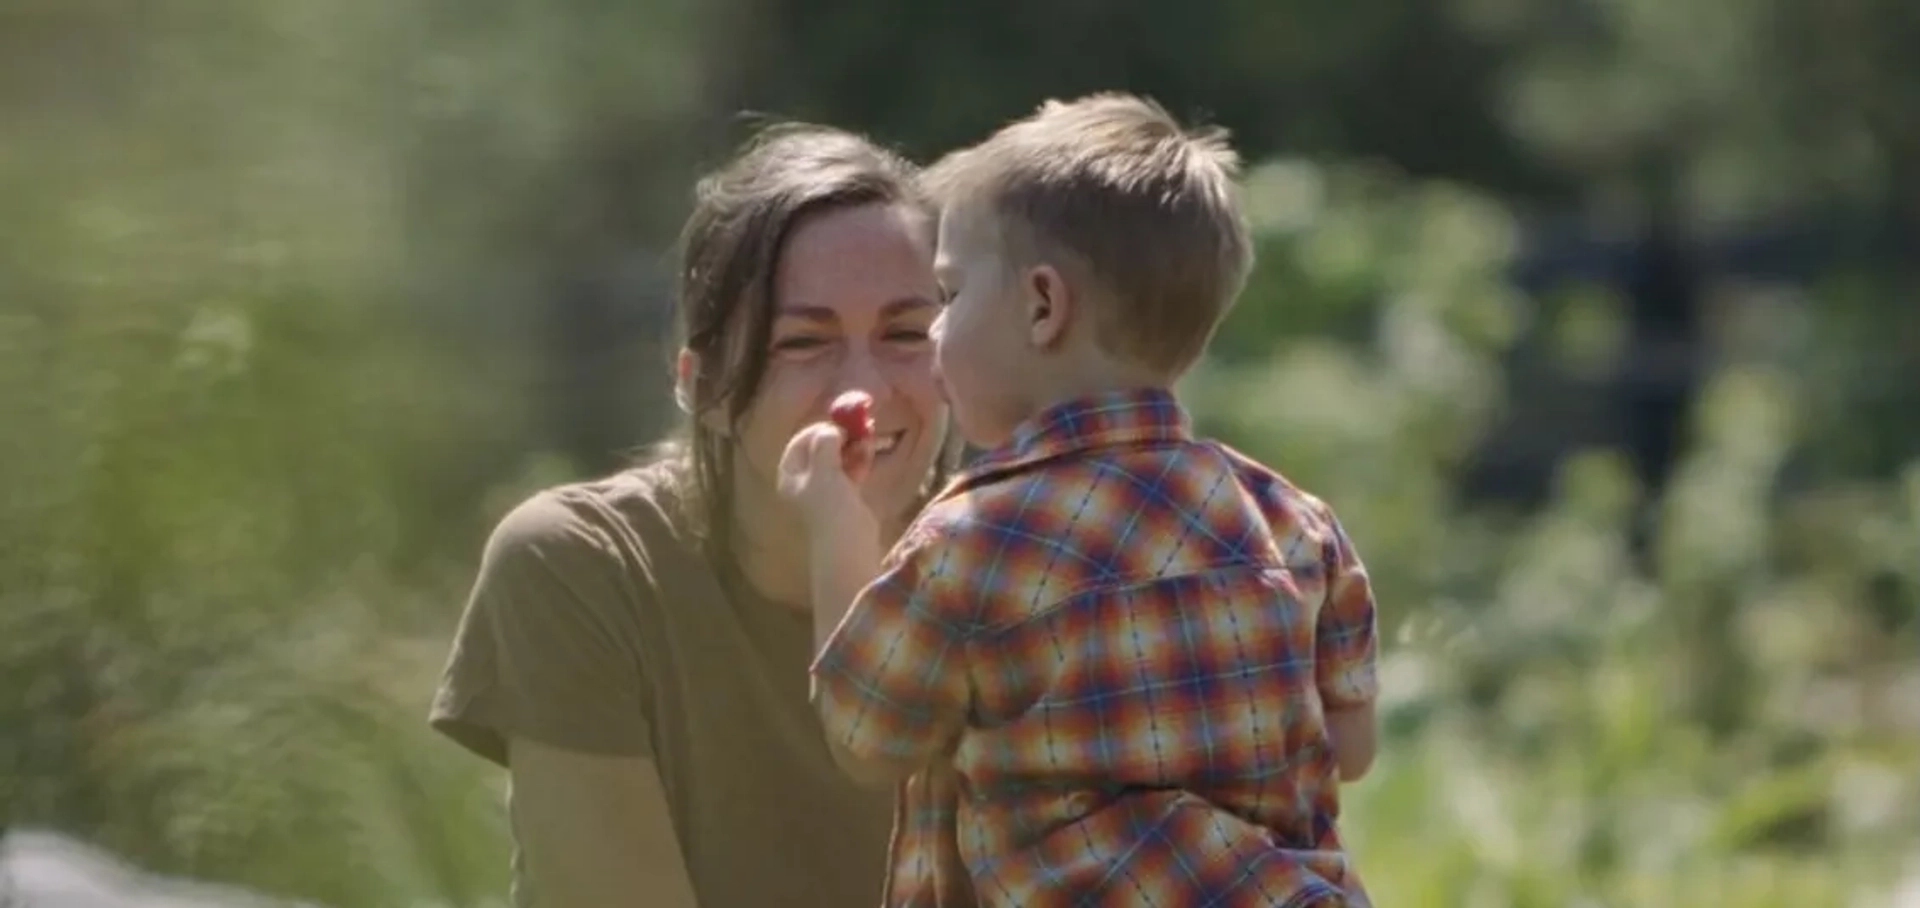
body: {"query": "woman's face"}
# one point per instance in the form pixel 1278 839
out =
pixel 854 298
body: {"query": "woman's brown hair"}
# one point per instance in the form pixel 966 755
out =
pixel 743 214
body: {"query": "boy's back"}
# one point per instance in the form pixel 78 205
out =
pixel 1142 631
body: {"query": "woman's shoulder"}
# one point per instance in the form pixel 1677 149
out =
pixel 640 508
pixel 555 643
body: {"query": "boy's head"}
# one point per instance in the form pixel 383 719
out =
pixel 1094 243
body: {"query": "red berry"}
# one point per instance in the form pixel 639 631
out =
pixel 853 413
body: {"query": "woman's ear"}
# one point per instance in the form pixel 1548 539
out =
pixel 685 367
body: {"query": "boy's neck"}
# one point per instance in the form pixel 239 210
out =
pixel 1092 376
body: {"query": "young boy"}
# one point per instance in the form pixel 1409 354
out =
pixel 1122 665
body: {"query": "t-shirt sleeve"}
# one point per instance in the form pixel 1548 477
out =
pixel 548 647
pixel 1345 644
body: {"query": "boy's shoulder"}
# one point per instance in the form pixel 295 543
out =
pixel 1294 514
pixel 1266 482
pixel 1002 511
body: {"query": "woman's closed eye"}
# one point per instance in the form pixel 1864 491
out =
pixel 800 343
pixel 806 346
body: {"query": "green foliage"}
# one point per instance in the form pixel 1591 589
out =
pixel 266 335
pixel 1568 723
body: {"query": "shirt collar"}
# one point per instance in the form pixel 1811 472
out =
pixel 1112 419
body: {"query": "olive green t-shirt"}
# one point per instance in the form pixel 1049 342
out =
pixel 597 626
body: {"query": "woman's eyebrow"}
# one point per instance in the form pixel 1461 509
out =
pixel 907 305
pixel 826 314
pixel 809 313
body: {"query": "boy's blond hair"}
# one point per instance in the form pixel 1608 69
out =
pixel 1111 189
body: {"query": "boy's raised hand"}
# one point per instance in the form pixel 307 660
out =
pixel 824 463
pixel 821 472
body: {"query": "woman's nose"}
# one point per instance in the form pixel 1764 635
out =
pixel 862 371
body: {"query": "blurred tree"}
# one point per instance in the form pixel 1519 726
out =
pixel 1400 82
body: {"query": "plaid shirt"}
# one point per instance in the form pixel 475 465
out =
pixel 1112 644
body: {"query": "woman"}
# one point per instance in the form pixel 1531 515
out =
pixel 635 649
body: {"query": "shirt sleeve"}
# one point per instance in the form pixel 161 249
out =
pixel 547 648
pixel 1345 640
pixel 891 681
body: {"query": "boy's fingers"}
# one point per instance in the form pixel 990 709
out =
pixel 824 443
pixel 803 449
pixel 816 447
pixel 856 458
pixel 796 463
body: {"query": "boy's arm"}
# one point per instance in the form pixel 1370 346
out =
pixel 1345 656
pixel 1354 732
pixel 840 564
pixel 889 681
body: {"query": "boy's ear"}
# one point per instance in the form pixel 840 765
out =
pixel 1050 305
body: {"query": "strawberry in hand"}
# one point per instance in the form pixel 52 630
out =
pixel 853 413
pixel 826 462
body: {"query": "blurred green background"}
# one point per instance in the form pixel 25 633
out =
pixel 1596 320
